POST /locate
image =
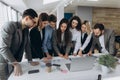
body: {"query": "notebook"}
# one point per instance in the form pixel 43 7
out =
pixel 81 63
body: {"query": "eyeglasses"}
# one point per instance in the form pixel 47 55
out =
pixel 33 19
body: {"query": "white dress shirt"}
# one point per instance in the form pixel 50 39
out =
pixel 41 34
pixel 62 37
pixel 86 41
pixel 76 36
pixel 101 40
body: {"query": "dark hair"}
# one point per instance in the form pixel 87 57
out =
pixel 99 26
pixel 85 21
pixel 42 17
pixel 29 12
pixel 78 27
pixel 52 18
pixel 67 32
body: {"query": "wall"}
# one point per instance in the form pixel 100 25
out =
pixel 110 17
pixel 85 13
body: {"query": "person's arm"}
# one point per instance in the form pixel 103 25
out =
pixel 54 40
pixel 68 48
pixel 86 42
pixel 77 43
pixel 33 39
pixel 17 69
pixel 93 45
pixel 6 34
pixel 28 46
pixel 28 50
pixel 112 43
pixel 45 41
pixel 45 49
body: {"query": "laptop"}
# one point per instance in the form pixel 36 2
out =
pixel 81 63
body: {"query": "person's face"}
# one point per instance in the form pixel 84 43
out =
pixel 74 23
pixel 30 22
pixel 97 32
pixel 88 24
pixel 52 24
pixel 43 24
pixel 84 28
pixel 63 27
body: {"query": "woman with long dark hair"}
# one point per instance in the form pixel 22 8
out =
pixel 62 39
pixel 75 28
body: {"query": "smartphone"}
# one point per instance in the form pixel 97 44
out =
pixel 33 71
pixel 57 65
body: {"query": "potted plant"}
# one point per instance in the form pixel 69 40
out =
pixel 107 61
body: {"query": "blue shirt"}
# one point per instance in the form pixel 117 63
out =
pixel 47 43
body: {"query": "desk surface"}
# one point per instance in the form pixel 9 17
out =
pixel 58 75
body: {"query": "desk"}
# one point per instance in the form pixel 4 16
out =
pixel 58 75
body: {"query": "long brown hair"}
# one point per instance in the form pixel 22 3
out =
pixel 42 17
pixel 67 35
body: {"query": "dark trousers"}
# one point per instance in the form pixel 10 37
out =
pixel 5 69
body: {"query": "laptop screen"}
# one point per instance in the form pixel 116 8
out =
pixel 81 63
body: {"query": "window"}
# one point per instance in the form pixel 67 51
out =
pixel 7 13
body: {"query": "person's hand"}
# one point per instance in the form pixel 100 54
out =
pixel 60 55
pixel 80 53
pixel 45 60
pixel 48 56
pixel 17 69
pixel 89 53
pixel 34 63
pixel 66 56
pixel 74 54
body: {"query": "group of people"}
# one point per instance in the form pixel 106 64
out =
pixel 40 38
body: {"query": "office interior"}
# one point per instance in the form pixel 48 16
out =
pixel 95 11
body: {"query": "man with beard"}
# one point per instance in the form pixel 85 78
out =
pixel 14 39
pixel 103 40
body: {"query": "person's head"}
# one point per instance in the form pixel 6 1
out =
pixel 75 22
pixel 52 20
pixel 98 29
pixel 63 28
pixel 63 25
pixel 43 20
pixel 84 28
pixel 29 18
pixel 86 22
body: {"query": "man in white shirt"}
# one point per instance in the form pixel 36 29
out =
pixel 104 39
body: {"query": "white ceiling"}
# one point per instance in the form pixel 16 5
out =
pixel 21 5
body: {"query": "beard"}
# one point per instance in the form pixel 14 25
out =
pixel 97 36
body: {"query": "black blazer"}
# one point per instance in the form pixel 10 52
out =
pixel 86 50
pixel 36 43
